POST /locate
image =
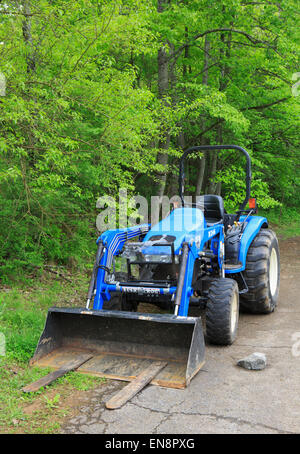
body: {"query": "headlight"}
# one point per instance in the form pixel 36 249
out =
pixel 148 252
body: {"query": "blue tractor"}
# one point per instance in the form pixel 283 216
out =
pixel 198 256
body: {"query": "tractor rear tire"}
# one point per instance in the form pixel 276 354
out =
pixel 262 274
pixel 222 311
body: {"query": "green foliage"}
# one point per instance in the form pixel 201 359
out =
pixel 83 114
pixel 73 128
pixel 285 220
pixel 21 323
pixel 233 180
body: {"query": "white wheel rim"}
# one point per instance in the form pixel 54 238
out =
pixel 234 313
pixel 273 272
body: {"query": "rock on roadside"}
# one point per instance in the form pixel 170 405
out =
pixel 256 361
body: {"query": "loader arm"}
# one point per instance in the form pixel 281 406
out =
pixel 112 241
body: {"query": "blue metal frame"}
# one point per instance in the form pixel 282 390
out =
pixel 195 232
pixel 113 241
pixel 254 224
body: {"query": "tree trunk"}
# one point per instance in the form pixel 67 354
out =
pixel 200 174
pixel 213 169
pixel 163 89
pixel 30 69
pixel 186 53
pixel 163 85
pixel 214 162
pixel 26 29
pixel 173 178
pixel 222 87
pixel 206 61
pixel 202 161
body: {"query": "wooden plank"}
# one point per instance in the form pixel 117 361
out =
pixel 44 381
pixel 129 391
pixel 117 367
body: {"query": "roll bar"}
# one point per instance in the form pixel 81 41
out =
pixel 210 148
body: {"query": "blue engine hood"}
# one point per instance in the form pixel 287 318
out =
pixel 182 223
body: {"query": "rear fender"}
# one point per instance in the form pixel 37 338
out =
pixel 254 224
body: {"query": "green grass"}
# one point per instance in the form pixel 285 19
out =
pixel 22 317
pixel 50 401
pixel 21 321
pixel 13 376
pixel 285 221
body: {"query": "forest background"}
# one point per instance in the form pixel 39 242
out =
pixel 102 95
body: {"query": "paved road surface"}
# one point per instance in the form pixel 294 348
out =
pixel 222 398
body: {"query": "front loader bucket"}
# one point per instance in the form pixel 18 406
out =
pixel 123 344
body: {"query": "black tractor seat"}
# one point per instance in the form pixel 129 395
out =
pixel 213 208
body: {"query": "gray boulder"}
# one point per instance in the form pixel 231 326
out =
pixel 256 361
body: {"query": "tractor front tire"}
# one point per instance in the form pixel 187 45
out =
pixel 222 311
pixel 262 274
pixel 118 301
pixel 114 304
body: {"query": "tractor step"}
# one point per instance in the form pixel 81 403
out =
pixel 233 266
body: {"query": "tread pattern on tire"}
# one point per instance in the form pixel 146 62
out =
pixel 218 311
pixel 117 303
pixel 257 300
